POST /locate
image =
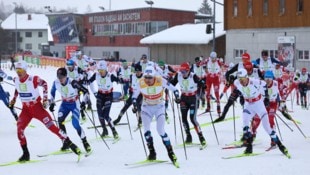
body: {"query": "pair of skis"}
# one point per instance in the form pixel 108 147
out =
pixel 150 162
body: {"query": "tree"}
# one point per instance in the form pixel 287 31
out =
pixel 205 9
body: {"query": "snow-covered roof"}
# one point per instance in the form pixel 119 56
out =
pixel 184 34
pixel 38 21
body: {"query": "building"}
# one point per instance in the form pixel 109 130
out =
pixel 185 42
pixel 32 31
pixel 117 34
pixel 279 26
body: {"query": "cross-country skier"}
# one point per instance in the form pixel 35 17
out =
pixel 4 96
pixel 104 96
pixel 133 84
pixel 251 90
pixel 152 89
pixel 69 90
pixel 189 83
pixel 27 88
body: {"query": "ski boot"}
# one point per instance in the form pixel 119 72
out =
pixel 208 107
pixel 115 134
pixel 283 149
pixel 25 156
pixel 188 139
pixel 105 132
pixel 86 145
pixel 152 155
pixel 249 146
pixel 172 156
pixel 72 146
pixel 116 121
pixel 202 139
pixel 218 108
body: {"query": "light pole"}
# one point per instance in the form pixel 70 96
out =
pixel 214 2
pixel 110 5
pixel 15 26
pixel 150 3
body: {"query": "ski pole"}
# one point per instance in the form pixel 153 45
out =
pixel 142 139
pixel 278 128
pixel 214 128
pixel 8 83
pixel 96 129
pixel 174 122
pixel 299 128
pixel 129 127
pixel 178 108
pixel 55 119
pixel 234 121
pixel 284 122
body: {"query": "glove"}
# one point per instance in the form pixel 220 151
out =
pixel 121 81
pixel 9 78
pixel 83 106
pixel 96 94
pixel 51 108
pixel 177 97
pixel 1 79
pixel 266 101
pixel 12 103
pixel 134 104
pixel 45 103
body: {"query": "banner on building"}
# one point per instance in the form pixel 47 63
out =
pixel 70 51
pixel 286 49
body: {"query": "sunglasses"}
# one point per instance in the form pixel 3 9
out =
pixel 148 77
pixel 19 70
pixel 269 79
pixel 183 71
pixel 242 78
pixel 101 70
pixel 61 76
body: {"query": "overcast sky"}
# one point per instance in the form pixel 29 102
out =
pixel 82 5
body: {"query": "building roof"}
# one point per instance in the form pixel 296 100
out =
pixel 38 21
pixel 184 34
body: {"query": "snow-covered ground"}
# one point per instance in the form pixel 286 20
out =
pixel 127 150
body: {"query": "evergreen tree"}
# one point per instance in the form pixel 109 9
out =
pixel 205 8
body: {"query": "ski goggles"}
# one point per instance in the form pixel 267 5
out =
pixel 148 77
pixel 19 70
pixel 101 70
pixel 268 79
pixel 183 71
pixel 242 78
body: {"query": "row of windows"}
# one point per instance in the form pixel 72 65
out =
pixel 302 55
pixel 139 28
pixel 29 34
pixel 28 46
pixel 265 5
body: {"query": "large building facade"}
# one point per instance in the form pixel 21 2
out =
pixel 279 26
pixel 117 34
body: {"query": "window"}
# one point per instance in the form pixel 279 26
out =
pixel 281 7
pixel 28 34
pixel 265 7
pixel 39 46
pixel 250 7
pixel 40 34
pixel 238 53
pixel 28 46
pixel 235 8
pixel 300 5
pixel 303 55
